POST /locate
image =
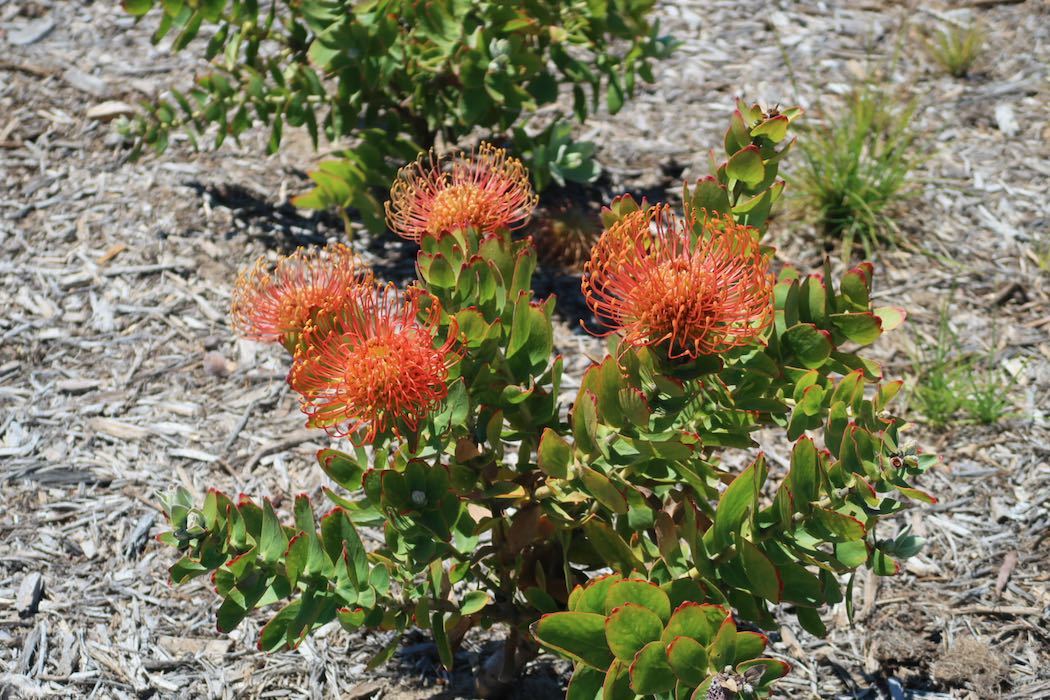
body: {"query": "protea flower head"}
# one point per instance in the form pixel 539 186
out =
pixel 658 280
pixel 378 369
pixel 485 189
pixel 304 288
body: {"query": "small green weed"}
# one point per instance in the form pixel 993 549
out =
pixel 855 168
pixel 988 400
pixel 939 376
pixel 1040 253
pixel 949 383
pixel 956 48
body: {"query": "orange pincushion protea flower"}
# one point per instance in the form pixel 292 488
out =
pixel 654 281
pixel 303 288
pixel 378 370
pixel 486 190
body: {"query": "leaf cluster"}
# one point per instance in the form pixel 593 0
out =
pixel 630 637
pixel 394 75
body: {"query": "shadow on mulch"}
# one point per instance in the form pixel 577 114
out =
pixel 543 678
pixel 283 227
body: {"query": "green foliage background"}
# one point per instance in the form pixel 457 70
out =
pixel 391 76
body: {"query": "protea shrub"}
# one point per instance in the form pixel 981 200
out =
pixel 615 529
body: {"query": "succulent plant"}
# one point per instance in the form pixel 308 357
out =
pixel 629 636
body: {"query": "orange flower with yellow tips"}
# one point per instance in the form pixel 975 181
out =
pixel 303 289
pixel 485 189
pixel 656 281
pixel 378 370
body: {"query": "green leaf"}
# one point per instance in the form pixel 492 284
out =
pixel 810 621
pixel 699 621
pixel 883 564
pixel 917 495
pixel 774 669
pixel 861 328
pixel 473 602
pixel 591 598
pixel 185 569
pixel 749 645
pixel 438 272
pixel 629 628
pixel 337 533
pixel 855 289
pixel 554 454
pixel 274 635
pixel 605 380
pixel 813 300
pixel 722 651
pixel 838 526
pixel 688 659
pixel 212 9
pixel 441 640
pixel 684 590
pixel 639 592
pixel 775 129
pixel 577 636
pixel 737 135
pixel 810 345
pixel 585 422
pixel 736 502
pixel 603 490
pixel 585 684
pixel 635 407
pixel 137 7
pixel 852 554
pixel 800 586
pixel 614 96
pixel 341 468
pixel 650 672
pixel 351 619
pixel 762 575
pixel 520 325
pixel 611 547
pixel 617 684
pixel 541 600
pixel 891 317
pixel 272 540
pixel 746 165
pixel 707 196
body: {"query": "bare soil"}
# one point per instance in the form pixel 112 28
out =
pixel 120 378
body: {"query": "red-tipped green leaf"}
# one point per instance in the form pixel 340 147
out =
pixel 749 645
pixel 722 651
pixel 629 628
pixel 577 636
pixel 643 593
pixel 699 621
pixel 891 317
pixel 810 345
pixel 650 671
pixel 585 684
pixel 746 165
pixel 554 454
pixel 688 659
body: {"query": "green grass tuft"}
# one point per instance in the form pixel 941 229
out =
pixel 856 168
pixel 957 48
